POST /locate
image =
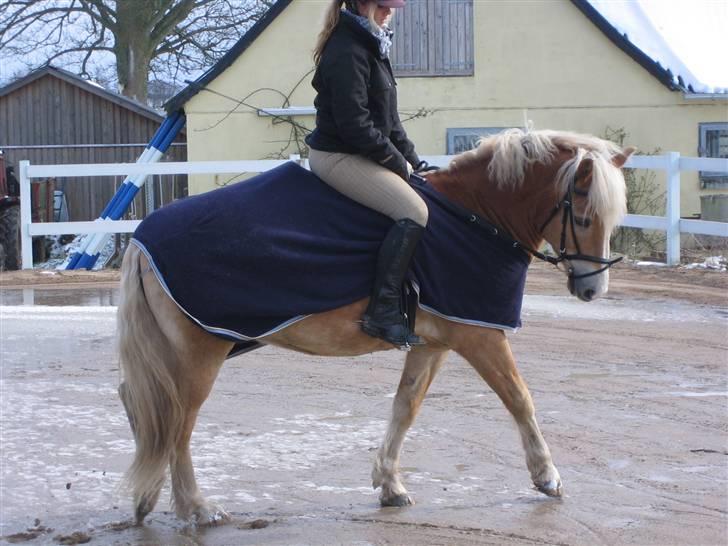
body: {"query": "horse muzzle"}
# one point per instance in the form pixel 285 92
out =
pixel 587 284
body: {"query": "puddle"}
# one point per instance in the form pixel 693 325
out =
pixel 60 297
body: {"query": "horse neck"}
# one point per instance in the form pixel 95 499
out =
pixel 520 211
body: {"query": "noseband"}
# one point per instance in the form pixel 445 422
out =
pixel 569 221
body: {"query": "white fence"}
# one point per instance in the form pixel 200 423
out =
pixel 671 162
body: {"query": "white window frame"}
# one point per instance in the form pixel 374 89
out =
pixel 710 180
pixel 475 132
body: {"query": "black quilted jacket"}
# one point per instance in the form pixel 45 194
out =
pixel 356 105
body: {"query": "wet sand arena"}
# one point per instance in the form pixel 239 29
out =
pixel 631 393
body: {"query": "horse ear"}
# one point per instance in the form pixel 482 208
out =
pixel 620 159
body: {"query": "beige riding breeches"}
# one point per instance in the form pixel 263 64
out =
pixel 369 184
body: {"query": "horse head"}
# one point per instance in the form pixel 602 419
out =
pixel 561 187
pixel 592 202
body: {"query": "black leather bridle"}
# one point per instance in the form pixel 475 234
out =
pixel 569 221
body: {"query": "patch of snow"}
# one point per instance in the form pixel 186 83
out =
pixel 95 84
pixel 717 263
pixel 60 255
pixel 650 264
pixel 632 19
pixel 697 394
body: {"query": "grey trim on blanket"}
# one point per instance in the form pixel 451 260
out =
pixel 459 320
pixel 289 322
pixel 211 329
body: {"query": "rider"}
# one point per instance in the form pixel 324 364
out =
pixel 360 148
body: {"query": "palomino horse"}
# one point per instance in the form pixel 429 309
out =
pixel 562 187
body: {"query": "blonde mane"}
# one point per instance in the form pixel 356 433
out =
pixel 514 151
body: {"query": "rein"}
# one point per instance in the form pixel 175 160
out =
pixel 568 219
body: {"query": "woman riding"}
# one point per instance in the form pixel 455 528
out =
pixel 360 148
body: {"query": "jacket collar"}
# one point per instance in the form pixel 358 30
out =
pixel 349 22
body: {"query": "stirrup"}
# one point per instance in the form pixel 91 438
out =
pixel 403 343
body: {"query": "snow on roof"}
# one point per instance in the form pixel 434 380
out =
pixel 635 25
pixel 624 22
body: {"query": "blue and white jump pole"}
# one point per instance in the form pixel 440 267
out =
pixel 93 243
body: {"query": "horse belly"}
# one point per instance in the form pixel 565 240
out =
pixel 332 333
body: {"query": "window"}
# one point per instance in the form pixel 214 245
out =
pixel 433 38
pixel 713 143
pixel 462 140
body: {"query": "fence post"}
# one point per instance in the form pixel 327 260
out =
pixel 26 241
pixel 149 192
pixel 673 208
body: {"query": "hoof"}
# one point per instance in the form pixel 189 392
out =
pixel 397 500
pixel 210 516
pixel 144 506
pixel 552 488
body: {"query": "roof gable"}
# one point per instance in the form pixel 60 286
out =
pixel 631 30
pixel 664 75
pixel 674 82
pixel 77 81
pixel 179 100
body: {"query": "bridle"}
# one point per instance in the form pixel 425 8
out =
pixel 569 221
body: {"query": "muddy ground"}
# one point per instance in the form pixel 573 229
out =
pixel 702 286
pixel 631 393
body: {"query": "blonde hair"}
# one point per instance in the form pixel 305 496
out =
pixel 331 19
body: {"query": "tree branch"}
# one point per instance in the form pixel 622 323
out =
pixel 176 37
pixel 170 20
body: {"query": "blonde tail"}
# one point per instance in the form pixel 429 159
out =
pixel 149 391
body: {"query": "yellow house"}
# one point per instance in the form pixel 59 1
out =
pixel 480 67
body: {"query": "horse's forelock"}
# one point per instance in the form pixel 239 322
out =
pixel 607 193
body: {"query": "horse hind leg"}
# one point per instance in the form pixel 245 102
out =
pixel 189 504
pixel 420 369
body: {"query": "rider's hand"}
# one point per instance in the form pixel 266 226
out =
pixel 398 165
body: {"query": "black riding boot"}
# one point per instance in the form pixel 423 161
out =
pixel 384 317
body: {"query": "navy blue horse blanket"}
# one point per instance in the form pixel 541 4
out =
pixel 251 258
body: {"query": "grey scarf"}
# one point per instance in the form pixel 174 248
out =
pixel 383 34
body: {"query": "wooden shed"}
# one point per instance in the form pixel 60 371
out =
pixel 52 116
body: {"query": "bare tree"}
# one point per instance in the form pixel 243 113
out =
pixel 167 38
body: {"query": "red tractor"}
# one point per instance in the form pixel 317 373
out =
pixel 9 218
pixel 43 208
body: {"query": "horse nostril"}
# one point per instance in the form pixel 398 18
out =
pixel 588 294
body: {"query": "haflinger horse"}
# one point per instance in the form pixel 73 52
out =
pixel 561 187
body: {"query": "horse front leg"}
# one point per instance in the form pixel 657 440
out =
pixel 489 352
pixel 420 368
